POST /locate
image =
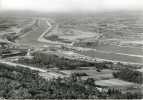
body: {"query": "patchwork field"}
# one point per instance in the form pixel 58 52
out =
pixel 92 73
pixel 115 37
pixel 115 83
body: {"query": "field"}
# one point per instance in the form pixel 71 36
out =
pixel 115 83
pixel 92 73
pixel 112 56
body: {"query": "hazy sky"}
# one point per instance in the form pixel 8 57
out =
pixel 71 5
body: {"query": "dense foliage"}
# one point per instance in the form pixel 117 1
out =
pixel 129 75
pixel 19 83
pixel 52 60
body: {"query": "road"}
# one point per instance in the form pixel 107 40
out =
pixel 47 74
pixel 21 65
pixel 43 40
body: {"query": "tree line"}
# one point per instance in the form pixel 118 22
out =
pixel 52 60
pixel 130 75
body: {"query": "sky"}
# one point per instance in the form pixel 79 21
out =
pixel 71 5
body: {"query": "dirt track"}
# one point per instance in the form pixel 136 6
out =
pixel 21 65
